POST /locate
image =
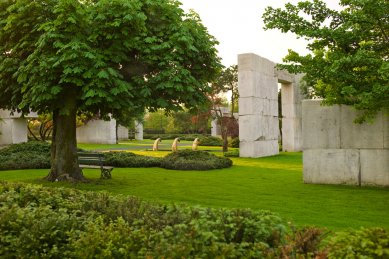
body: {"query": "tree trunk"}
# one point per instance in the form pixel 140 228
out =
pixel 64 161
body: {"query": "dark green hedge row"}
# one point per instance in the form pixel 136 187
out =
pixel 35 155
pixel 37 222
pixel 194 160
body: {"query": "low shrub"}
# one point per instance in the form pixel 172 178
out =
pixel 233 153
pixel 128 159
pixel 194 160
pixel 38 222
pixel 234 142
pixel 29 155
pixel 363 243
pixel 210 141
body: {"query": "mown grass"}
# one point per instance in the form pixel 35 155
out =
pixel 272 183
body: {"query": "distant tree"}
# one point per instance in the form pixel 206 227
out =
pixel 227 80
pixel 100 56
pixel 349 59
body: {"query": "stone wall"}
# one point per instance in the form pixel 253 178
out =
pixel 13 128
pixel 138 130
pixel 122 132
pixel 98 132
pixel 338 151
pixel 258 107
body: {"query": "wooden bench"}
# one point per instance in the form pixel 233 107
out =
pixel 94 160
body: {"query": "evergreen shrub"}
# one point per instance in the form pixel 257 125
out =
pixel 194 160
pixel 38 222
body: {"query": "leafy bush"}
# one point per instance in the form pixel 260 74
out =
pixel 194 160
pixel 211 141
pixel 128 159
pixel 233 153
pixel 38 222
pixel 33 155
pixel 189 137
pixel 363 243
pixel 234 143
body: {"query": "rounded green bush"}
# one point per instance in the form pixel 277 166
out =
pixel 194 160
pixel 128 159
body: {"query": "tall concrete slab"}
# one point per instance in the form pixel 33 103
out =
pixel 13 127
pixel 375 167
pixel 338 151
pixel 122 132
pixel 258 107
pixel 360 135
pixel 98 132
pixel 331 166
pixel 138 130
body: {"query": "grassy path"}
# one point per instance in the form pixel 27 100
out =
pixel 272 183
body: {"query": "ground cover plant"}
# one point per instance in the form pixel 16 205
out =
pixel 57 222
pixel 38 222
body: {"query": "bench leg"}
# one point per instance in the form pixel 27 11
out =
pixel 106 173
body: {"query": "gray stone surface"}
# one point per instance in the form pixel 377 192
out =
pixel 258 105
pixel 259 148
pixel 138 130
pixel 13 131
pixel 375 167
pixel 320 125
pixel 122 132
pixel 331 166
pixel 366 135
pixel 98 132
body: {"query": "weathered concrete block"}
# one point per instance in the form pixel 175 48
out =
pixel 331 166
pixel 251 105
pixel 138 130
pixel 258 148
pixel 253 62
pixel 291 130
pixel 122 132
pixel 97 131
pixel 255 128
pixel 13 131
pixel 386 130
pixel 320 125
pixel 364 135
pixel 284 76
pixel 375 167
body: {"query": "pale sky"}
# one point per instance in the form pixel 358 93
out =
pixel 238 26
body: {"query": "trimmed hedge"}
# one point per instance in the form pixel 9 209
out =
pixel 38 222
pixel 194 160
pixel 128 159
pixel 30 155
pixel 210 141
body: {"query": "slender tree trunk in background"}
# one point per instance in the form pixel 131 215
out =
pixel 64 161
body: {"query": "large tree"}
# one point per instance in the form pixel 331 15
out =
pixel 349 51
pixel 100 56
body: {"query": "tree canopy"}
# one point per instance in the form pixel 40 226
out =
pixel 101 56
pixel 349 51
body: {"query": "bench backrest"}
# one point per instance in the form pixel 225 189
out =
pixel 85 158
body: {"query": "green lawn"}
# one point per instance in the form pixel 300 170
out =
pixel 272 183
